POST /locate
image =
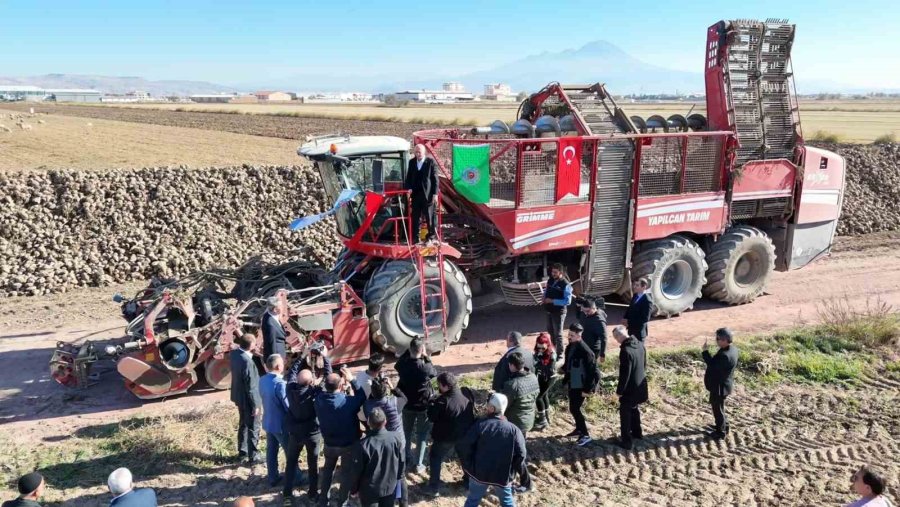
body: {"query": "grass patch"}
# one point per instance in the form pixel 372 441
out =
pixel 821 367
pixel 885 139
pixel 149 446
pixel 875 325
pixel 824 136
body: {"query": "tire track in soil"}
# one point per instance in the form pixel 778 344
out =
pixel 785 442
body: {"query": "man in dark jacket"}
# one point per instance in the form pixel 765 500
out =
pixel 273 330
pixel 632 388
pixel 638 313
pixel 245 394
pixel 593 321
pixel 377 464
pixel 557 297
pixel 31 487
pixel 415 372
pixel 501 371
pixel 492 453
pixel 719 377
pixel 340 430
pixel 422 180
pixel 302 427
pixel 451 414
pixel 581 376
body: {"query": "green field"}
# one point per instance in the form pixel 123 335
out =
pixel 857 121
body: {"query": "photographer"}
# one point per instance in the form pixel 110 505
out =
pixel 593 320
pixel 313 358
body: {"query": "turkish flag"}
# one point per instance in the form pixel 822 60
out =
pixel 568 167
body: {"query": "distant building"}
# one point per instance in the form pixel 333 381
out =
pixel 74 95
pixel 267 96
pixel 138 96
pixel 326 98
pixel 244 99
pixel 22 92
pixel 453 86
pixel 220 98
pixel 499 92
pixel 434 96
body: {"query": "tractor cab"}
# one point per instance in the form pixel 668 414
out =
pixel 361 164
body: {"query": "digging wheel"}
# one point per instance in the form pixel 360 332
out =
pixel 218 372
pixel 393 302
pixel 740 265
pixel 676 268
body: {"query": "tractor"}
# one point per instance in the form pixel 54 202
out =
pixel 700 206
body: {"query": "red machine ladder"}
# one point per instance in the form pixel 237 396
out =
pixel 424 254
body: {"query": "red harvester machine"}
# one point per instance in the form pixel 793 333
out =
pixel 700 205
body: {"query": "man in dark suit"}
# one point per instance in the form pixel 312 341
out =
pixel 632 388
pixel 638 313
pixel 124 494
pixel 422 180
pixel 501 371
pixel 245 394
pixel 377 463
pixel 272 330
pixel 719 377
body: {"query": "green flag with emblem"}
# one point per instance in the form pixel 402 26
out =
pixel 472 172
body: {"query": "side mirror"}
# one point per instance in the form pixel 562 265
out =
pixel 378 175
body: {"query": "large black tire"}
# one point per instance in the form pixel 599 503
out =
pixel 676 268
pixel 393 303
pixel 740 265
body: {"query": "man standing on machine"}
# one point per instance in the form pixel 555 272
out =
pixel 422 180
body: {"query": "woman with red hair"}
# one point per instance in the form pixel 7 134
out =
pixel 545 369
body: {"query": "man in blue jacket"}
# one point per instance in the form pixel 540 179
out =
pixel 557 297
pixel 492 451
pixel 124 494
pixel 275 406
pixel 340 430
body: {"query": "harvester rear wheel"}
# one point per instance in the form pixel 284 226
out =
pixel 393 303
pixel 675 267
pixel 740 264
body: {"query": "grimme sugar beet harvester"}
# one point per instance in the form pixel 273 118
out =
pixel 700 205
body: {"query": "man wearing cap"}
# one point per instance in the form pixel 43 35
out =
pixel 31 487
pixel 273 330
pixel 422 181
pixel 492 452
pixel 124 495
pixel 581 376
pixel 719 377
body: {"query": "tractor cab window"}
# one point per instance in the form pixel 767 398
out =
pixel 359 176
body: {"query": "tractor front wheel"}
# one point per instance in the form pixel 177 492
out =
pixel 394 305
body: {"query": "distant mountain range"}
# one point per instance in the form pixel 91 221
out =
pixel 598 61
pixel 119 85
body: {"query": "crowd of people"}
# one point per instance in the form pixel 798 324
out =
pixel 373 432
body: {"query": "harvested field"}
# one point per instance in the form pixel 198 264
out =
pixel 860 121
pixel 285 127
pixel 795 437
pixel 56 141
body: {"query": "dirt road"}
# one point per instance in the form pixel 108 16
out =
pixel 861 269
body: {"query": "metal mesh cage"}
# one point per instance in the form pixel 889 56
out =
pixel 539 176
pixel 661 164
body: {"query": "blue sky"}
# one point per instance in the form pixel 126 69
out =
pixel 228 42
